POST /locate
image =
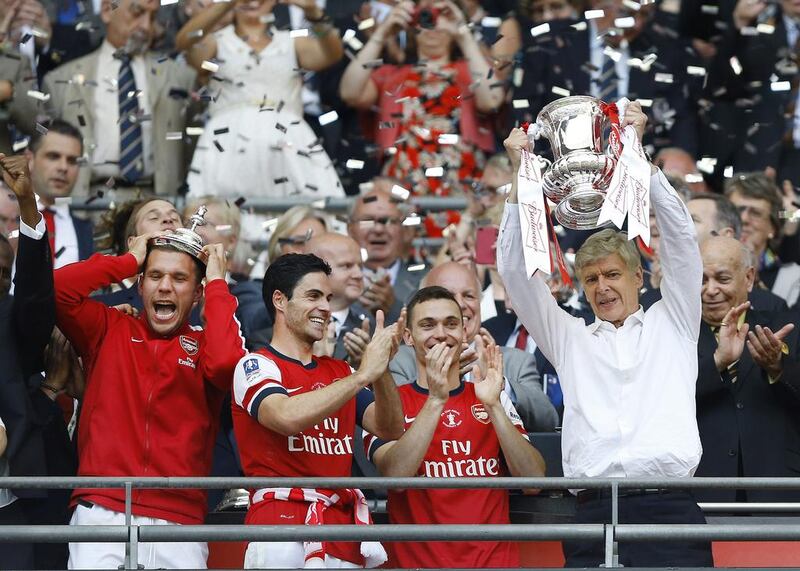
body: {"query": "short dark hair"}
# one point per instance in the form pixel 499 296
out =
pixel 727 214
pixel 285 273
pixel 428 294
pixel 757 185
pixel 54 126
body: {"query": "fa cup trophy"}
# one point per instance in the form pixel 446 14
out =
pixel 186 239
pixel 581 170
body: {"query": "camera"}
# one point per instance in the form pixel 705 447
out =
pixel 425 18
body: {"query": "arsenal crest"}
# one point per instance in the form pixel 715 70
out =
pixel 189 345
pixel 480 414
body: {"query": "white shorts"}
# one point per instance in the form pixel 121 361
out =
pixel 111 555
pixel 286 555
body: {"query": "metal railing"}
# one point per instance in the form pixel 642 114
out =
pixel 610 533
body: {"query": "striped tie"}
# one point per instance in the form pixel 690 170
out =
pixel 131 156
pixel 608 81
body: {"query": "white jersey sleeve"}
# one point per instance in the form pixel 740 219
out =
pixel 255 378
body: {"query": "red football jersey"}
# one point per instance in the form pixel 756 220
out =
pixel 323 450
pixel 464 444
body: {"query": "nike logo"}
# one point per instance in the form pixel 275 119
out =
pixel 409 420
pixel 135 340
pixel 290 391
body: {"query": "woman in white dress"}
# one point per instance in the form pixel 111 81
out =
pixel 256 142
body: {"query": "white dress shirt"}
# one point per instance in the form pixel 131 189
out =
pixel 629 392
pixel 339 317
pixel 596 47
pixel 7 497
pixel 530 344
pixel 65 236
pixel 106 113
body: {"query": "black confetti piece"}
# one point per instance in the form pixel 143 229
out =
pixel 369 199
pixel 280 127
pixel 61 250
pixel 221 131
pixel 240 201
pixel 281 180
pixel 219 147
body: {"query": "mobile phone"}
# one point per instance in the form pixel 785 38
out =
pixel 485 245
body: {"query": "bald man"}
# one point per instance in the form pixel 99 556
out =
pixel 350 322
pixel 523 382
pixel 748 383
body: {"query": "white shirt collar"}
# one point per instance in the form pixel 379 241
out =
pixel 638 315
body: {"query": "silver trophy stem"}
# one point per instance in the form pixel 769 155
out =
pixel 198 218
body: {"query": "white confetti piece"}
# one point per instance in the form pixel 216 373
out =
pixel 540 29
pixel 593 14
pixel 520 104
pixel 400 192
pixel 434 172
pixel 735 65
pixel 38 95
pixel 328 117
pixel 624 23
pixel 209 66
pixel 560 91
pixel 194 131
pixel 354 164
pixel 448 139
pixel 413 220
pixel 780 85
pixel 301 33
pixel 696 70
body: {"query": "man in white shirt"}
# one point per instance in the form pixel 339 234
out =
pixel 629 377
pixel 126 99
pixel 53 159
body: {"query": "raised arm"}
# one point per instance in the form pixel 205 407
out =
pixel 196 38
pixel 325 47
pixel 356 88
pixel 34 311
pixel 533 303
pixel 403 457
pixel 258 388
pixel 224 344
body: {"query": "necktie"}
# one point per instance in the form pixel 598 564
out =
pixel 131 155
pixel 608 81
pixel 522 338
pixel 50 222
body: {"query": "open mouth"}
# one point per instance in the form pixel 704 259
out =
pixel 606 303
pixel 164 310
pixel 318 321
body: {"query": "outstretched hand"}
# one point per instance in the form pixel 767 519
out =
pixel 489 382
pixel 731 337
pixel 767 348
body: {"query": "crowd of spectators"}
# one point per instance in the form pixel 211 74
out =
pixel 160 111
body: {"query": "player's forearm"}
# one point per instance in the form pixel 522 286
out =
pixel 224 342
pixel 406 454
pixel 388 408
pixel 293 414
pixel 522 459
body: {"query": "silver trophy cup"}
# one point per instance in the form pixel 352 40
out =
pixel 580 172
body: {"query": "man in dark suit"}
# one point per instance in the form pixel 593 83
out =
pixel 590 58
pixel 376 224
pixel 53 158
pixel 26 321
pixel 748 383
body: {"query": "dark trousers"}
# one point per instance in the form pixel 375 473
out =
pixel 666 507
pixel 15 555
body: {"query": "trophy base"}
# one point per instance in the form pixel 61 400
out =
pixel 581 209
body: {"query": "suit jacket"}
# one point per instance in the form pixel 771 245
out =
pixel 535 409
pixel 561 59
pixel 26 321
pixel 170 80
pixel 21 110
pixel 405 286
pixel 353 321
pixel 85 233
pixel 751 422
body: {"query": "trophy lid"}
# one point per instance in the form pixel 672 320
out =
pixel 186 239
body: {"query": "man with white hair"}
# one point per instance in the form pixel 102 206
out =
pixel 628 378
pixel 748 386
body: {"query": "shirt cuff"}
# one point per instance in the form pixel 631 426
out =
pixel 33 233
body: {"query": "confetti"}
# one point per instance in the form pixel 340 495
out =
pixel 447 139
pixel 328 117
pixel 413 220
pixel 645 102
pixel 280 127
pixel 168 2
pixel 416 268
pixel 491 22
pixel 434 172
pixel 560 91
pixel 81 120
pixel 520 104
pixel 624 23
pixel 366 24
pixel 735 65
pixel 301 33
pixel 540 29
pixel 354 164
pixel 693 177
pixel 749 31
pixel 593 14
pixel 364 255
pixel 696 70
pixel 19 145
pixel 41 129
pixel 38 95
pixel 765 28
pixel 281 180
pixel 194 131
pixel 240 201
pixel 781 86
pixel 631 5
pixel 400 192
pixel 580 26
pixel 372 64
pixel 728 171
pixel 519 74
pixel 663 78
pixel 709 9
pixel 707 165
pixel 219 147
pixel 210 66
pixel 369 199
